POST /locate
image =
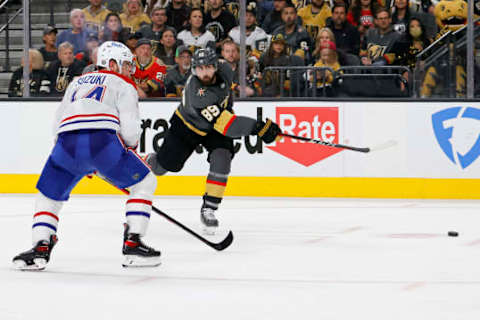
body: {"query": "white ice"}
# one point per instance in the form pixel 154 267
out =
pixel 291 259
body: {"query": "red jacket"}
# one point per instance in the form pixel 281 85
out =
pixel 154 74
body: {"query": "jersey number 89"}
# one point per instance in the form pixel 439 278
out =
pixel 210 112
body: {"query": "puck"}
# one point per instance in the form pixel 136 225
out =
pixel 452 233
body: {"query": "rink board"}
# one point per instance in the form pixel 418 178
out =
pixel 433 150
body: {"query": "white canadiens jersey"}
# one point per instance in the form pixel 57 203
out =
pixel 196 41
pixel 258 39
pixel 101 100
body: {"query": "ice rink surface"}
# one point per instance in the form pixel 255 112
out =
pixel 291 259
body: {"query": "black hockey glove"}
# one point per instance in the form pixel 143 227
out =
pixel 268 131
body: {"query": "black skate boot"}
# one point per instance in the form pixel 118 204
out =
pixel 136 253
pixel 208 219
pixel 37 257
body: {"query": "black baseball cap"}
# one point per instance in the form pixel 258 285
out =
pixel 49 29
pixel 181 49
pixel 134 35
pixel 92 36
pixel 143 41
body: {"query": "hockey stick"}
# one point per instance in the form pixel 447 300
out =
pixel 225 243
pixel 325 143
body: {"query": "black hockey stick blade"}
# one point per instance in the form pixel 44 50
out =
pixel 328 144
pixel 225 243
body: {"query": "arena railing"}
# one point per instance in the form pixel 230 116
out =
pixel 348 81
pixel 6 28
pixel 448 51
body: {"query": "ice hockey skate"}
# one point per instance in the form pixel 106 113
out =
pixel 209 221
pixel 136 253
pixel 36 258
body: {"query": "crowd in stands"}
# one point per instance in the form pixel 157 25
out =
pixel 163 34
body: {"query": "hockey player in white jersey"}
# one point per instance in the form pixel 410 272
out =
pixel 97 128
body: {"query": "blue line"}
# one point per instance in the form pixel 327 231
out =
pixel 80 121
pixel 138 213
pixel 44 224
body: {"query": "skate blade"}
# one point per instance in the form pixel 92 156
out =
pixel 140 262
pixel 209 231
pixel 39 265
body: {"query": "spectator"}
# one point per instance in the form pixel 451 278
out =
pixel 273 19
pixel 166 48
pixel 133 17
pixel 154 30
pixel 39 83
pixel 295 35
pixel 49 50
pixel 219 21
pixel 277 56
pixel 178 14
pixel 264 7
pixel 256 38
pixel 62 71
pixel 382 44
pixel 324 34
pixel 93 65
pixel 346 36
pixel 328 59
pixel 132 40
pixel 95 15
pixel 116 6
pixel 178 75
pixel 152 4
pixel 92 43
pixel 231 55
pixel 314 16
pixel 113 29
pixel 361 15
pixel 200 4
pixel 77 34
pixel 401 15
pixel 149 72
pixel 416 41
pixel 196 35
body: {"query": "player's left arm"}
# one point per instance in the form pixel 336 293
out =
pixel 231 125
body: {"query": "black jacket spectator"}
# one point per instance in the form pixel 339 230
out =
pixel 39 83
pixel 175 81
pixel 48 56
pixel 220 26
pixel 154 30
pixel 273 20
pixel 49 50
pixel 61 76
pixel 276 81
pixel 298 41
pixel 177 14
pixel 347 37
pixel 401 18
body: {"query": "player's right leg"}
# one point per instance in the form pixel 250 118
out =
pixel 125 169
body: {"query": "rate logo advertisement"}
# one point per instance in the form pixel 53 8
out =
pixel 457 131
pixel 318 123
